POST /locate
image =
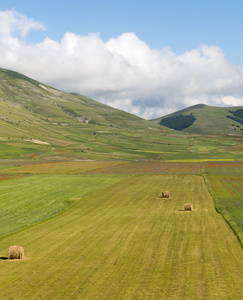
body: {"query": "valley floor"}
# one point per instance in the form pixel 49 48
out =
pixel 126 242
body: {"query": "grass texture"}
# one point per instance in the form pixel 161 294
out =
pixel 228 195
pixel 30 199
pixel 126 242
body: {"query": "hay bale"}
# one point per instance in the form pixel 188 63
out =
pixel 15 252
pixel 188 206
pixel 165 194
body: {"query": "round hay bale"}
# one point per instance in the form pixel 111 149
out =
pixel 188 206
pixel 15 252
pixel 166 194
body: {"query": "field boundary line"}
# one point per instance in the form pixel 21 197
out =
pixel 221 210
pixel 65 209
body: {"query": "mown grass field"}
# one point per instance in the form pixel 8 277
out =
pixel 26 200
pixel 126 242
pixel 60 167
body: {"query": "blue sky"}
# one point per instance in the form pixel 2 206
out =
pixel 145 40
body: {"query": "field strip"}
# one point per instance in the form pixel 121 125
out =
pixel 126 242
pixel 60 167
pixel 26 200
pixel 227 192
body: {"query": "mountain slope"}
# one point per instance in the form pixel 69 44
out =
pixel 36 119
pixel 49 104
pixel 204 119
pixel 38 122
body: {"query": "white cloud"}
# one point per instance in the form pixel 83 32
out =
pixel 123 72
pixel 12 22
pixel 229 101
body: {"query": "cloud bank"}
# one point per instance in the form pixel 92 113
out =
pixel 123 72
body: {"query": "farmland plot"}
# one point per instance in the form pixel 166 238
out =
pixel 59 167
pixel 26 200
pixel 126 242
pixel 147 167
pixel 229 200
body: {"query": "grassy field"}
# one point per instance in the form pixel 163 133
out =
pixel 27 200
pixel 228 194
pixel 126 242
pixel 140 167
pixel 70 167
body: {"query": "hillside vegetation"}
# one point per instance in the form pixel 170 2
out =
pixel 37 119
pixel 39 122
pixel 206 119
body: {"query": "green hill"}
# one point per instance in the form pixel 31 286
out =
pixel 38 122
pixel 32 99
pixel 204 119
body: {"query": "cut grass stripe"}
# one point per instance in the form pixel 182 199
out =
pixel 126 242
pixel 31 199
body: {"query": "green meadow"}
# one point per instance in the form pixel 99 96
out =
pixel 30 199
pixel 100 235
pixel 227 191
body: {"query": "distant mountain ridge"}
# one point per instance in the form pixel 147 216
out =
pixel 205 119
